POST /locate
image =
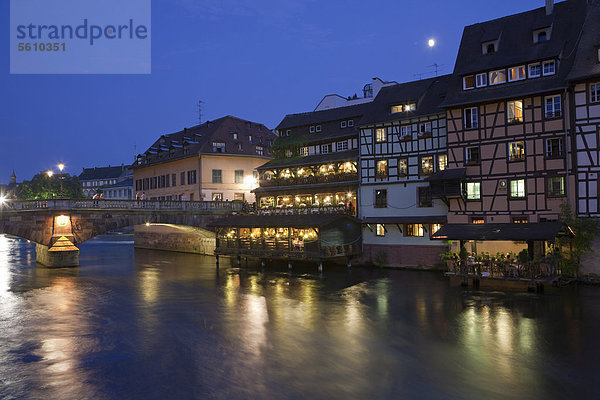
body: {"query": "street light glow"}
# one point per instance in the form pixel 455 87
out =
pixel 61 166
pixel 2 200
pixel 431 43
pixel 50 173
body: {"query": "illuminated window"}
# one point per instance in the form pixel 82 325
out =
pixel 472 155
pixel 553 106
pixel 497 77
pixel 549 67
pixel 427 165
pixel 517 188
pixel 556 186
pixel 303 151
pixel 382 168
pixel 403 166
pixel 415 230
pixel 435 228
pixel 217 197
pixel 515 111
pixel 397 109
pixel 473 190
pixel 519 220
pixel 471 118
pixel 238 196
pixel 516 151
pixel 442 162
pixel 481 80
pixel 516 73
pixel 595 92
pixel 380 198
pixel 380 230
pixel 535 70
pixel 380 135
pixel 239 176
pixel 469 82
pixel 477 220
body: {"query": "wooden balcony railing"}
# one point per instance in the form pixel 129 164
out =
pixel 308 180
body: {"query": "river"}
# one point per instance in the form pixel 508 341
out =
pixel 142 324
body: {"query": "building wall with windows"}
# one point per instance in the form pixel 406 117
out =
pixel 402 143
pixel 516 161
pixel 200 163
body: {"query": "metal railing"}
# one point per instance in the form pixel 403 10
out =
pixel 331 209
pixel 308 180
pixel 101 204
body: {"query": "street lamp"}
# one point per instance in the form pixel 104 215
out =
pixel 61 166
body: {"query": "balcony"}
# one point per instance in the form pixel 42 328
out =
pixel 307 210
pixel 308 180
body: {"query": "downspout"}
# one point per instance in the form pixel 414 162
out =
pixel 567 159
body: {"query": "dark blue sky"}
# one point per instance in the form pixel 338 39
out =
pixel 257 60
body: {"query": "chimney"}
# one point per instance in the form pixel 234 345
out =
pixel 549 7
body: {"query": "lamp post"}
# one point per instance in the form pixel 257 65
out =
pixel 61 166
pixel 49 173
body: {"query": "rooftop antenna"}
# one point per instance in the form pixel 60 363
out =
pixel 200 102
pixel 437 67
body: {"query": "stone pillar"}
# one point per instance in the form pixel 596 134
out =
pixel 61 254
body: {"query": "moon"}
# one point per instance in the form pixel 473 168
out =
pixel 431 43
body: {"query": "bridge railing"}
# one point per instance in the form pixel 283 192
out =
pixel 101 204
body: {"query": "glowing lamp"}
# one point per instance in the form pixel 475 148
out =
pixel 2 200
pixel 431 42
pixel 62 220
pixel 49 173
pixel 61 166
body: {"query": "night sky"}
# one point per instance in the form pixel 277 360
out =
pixel 256 60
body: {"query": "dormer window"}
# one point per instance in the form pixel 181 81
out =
pixel 497 77
pixel 403 108
pixel 549 68
pixel 218 147
pixel 516 73
pixel 469 82
pixel 288 132
pixel 541 35
pixel 235 136
pixel 489 47
pixel 350 123
pixel 481 80
pixel 318 128
pixel 343 124
pixel 311 129
pixel 535 70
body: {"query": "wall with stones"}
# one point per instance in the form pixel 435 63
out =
pixel 172 237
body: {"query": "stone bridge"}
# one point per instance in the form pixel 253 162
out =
pixel 46 221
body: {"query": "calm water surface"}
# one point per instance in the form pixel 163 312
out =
pixel 139 324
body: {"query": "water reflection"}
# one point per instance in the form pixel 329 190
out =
pixel 143 324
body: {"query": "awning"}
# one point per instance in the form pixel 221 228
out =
pixel 427 219
pixel 515 232
pixel 448 175
pixel 283 221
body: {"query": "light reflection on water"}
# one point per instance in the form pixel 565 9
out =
pixel 144 324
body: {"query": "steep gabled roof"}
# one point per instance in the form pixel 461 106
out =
pixel 427 94
pixel 322 116
pixel 586 63
pixel 199 140
pixel 92 174
pixel 516 47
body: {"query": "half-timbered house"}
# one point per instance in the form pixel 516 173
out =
pixel 509 147
pixel 584 88
pixel 402 142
